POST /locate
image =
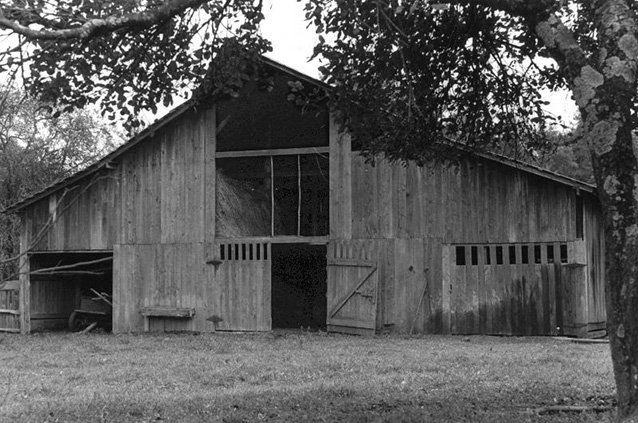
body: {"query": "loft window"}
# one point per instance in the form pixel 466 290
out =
pixel 282 195
pixel 512 250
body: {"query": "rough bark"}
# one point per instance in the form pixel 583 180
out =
pixel 604 88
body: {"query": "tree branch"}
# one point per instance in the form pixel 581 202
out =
pixel 523 8
pixel 144 19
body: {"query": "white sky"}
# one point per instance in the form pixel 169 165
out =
pixel 292 40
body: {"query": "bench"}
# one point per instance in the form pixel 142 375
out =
pixel 175 312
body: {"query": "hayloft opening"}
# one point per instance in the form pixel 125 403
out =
pixel 71 290
pixel 276 195
pixel 299 284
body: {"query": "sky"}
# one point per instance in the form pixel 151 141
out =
pixel 292 40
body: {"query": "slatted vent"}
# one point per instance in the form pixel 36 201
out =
pixel 507 254
pixel 244 251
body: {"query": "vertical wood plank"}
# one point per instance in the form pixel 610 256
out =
pixel 340 183
pixel 445 289
pixel 208 132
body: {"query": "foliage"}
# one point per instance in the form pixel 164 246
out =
pixel 36 150
pixel 408 76
pixel 127 56
pixel 569 156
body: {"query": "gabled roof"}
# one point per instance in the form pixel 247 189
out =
pixel 132 142
pixel 193 104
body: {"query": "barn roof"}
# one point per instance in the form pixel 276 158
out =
pixel 194 104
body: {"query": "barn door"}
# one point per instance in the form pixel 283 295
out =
pixel 352 296
pixel 10 306
pixel 242 277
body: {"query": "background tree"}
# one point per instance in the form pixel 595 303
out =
pixel 36 150
pixel 410 78
pixel 569 156
pixel 128 56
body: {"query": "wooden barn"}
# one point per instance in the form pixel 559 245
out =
pixel 247 215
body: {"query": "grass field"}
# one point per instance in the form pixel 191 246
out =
pixel 297 377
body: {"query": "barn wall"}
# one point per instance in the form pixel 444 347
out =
pixel 163 187
pixel 475 202
pixel 410 218
pixel 167 214
pixel 83 217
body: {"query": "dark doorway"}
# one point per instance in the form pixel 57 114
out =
pixel 299 286
pixel 68 283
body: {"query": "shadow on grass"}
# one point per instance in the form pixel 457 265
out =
pixel 325 404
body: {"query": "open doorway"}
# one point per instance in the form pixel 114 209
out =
pixel 71 290
pixel 299 282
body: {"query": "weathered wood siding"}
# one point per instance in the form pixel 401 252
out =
pixel 160 275
pixel 166 211
pixel 594 237
pixel 82 217
pixel 52 301
pixel 410 219
pixel 163 186
pixel 241 281
pixel 474 202
pixel 10 306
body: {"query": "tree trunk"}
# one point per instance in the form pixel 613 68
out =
pixel 617 176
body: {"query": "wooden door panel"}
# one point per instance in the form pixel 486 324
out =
pixel 10 306
pixel 243 279
pixel 352 296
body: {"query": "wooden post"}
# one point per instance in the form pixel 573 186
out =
pixel 25 279
pixel 340 183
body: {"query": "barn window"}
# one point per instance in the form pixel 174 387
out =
pixel 512 251
pixel 550 254
pixel 563 253
pixel 460 256
pixel 537 254
pixel 499 254
pixel 474 252
pixel 488 259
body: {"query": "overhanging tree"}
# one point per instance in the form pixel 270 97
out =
pixel 408 76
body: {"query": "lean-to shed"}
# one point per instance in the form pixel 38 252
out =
pixel 246 215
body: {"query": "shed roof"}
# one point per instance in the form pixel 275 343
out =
pixel 193 104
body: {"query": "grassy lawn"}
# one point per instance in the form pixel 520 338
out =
pixel 295 377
